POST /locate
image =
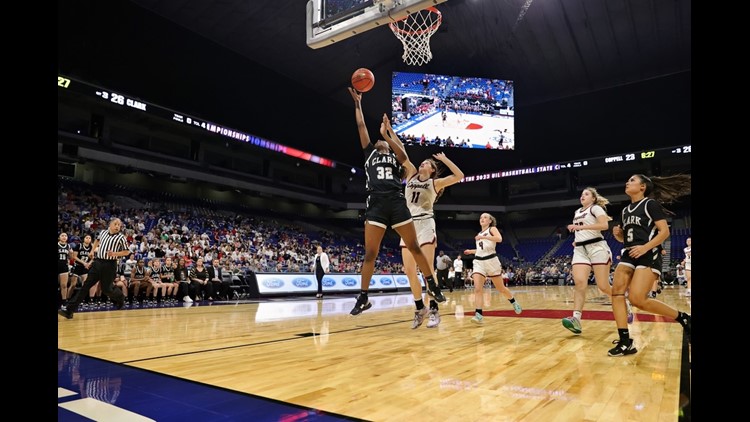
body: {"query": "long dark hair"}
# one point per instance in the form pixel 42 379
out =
pixel 435 174
pixel 666 189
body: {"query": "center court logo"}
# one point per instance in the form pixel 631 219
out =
pixel 274 283
pixel 328 282
pixel 302 282
pixel 402 281
pixel 349 282
pixel 386 281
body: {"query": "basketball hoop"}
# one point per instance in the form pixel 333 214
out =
pixel 414 32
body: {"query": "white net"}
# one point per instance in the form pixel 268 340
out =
pixel 414 32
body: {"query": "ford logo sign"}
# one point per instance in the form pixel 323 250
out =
pixel 349 282
pixel 274 283
pixel 402 281
pixel 302 282
pixel 328 282
pixel 386 281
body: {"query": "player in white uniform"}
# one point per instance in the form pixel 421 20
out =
pixel 686 263
pixel 487 265
pixel 591 251
pixel 423 188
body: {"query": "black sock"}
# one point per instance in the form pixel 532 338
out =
pixel 363 293
pixel 681 318
pixel 419 303
pixel 478 311
pixel 430 280
pixel 624 334
pixel 433 304
pixel 512 300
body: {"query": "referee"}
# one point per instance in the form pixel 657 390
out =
pixel 108 248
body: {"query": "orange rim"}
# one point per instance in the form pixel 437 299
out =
pixel 430 28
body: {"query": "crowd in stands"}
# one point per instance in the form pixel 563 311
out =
pixel 241 243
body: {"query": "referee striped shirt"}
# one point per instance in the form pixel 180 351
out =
pixel 110 242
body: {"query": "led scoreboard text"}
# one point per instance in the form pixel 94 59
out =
pixel 589 162
pixel 165 113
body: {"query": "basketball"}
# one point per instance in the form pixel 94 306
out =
pixel 363 80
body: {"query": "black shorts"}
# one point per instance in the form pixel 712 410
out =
pixel 79 270
pixel 651 260
pixel 62 267
pixel 387 210
pixel 658 264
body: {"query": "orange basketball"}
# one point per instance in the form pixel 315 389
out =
pixel 363 80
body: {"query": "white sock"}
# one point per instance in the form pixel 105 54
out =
pixel 577 315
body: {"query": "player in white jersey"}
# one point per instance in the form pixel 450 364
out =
pixel 487 265
pixel 686 263
pixel 423 188
pixel 591 252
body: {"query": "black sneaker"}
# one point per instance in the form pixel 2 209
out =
pixel 434 291
pixel 622 348
pixel 687 323
pixel 362 304
pixel 63 311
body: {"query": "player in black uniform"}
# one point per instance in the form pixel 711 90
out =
pixel 63 270
pixel 385 206
pixel 82 264
pixel 641 249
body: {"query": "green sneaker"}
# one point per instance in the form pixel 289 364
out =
pixel 572 324
pixel 477 319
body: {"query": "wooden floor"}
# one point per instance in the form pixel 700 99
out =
pixel 375 367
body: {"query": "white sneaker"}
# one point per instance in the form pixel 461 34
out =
pixel 419 317
pixel 187 299
pixel 477 319
pixel 687 292
pixel 434 319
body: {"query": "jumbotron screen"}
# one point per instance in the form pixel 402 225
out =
pixel 453 111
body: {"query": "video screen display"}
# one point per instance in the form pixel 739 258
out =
pixel 453 111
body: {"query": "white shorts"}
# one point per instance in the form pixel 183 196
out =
pixel 688 266
pixel 488 267
pixel 425 232
pixel 592 254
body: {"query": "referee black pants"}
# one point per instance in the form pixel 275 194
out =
pixel 442 276
pixel 103 271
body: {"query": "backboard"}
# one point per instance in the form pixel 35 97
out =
pixel 330 21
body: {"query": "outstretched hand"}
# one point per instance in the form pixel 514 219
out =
pixel 356 95
pixel 440 156
pixel 385 126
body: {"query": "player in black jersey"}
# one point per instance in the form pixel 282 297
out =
pixel 81 266
pixel 385 206
pixel 63 268
pixel 641 248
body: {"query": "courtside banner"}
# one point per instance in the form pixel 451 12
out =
pixel 276 311
pixel 280 283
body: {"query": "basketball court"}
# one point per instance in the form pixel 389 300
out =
pixel 476 129
pixel 308 359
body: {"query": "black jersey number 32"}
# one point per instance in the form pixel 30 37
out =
pixel 385 173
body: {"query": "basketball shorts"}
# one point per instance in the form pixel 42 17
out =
pixel 425 232
pixel 80 270
pixel 62 267
pixel 387 210
pixel 488 267
pixel 649 260
pixel 592 254
pixel 687 265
